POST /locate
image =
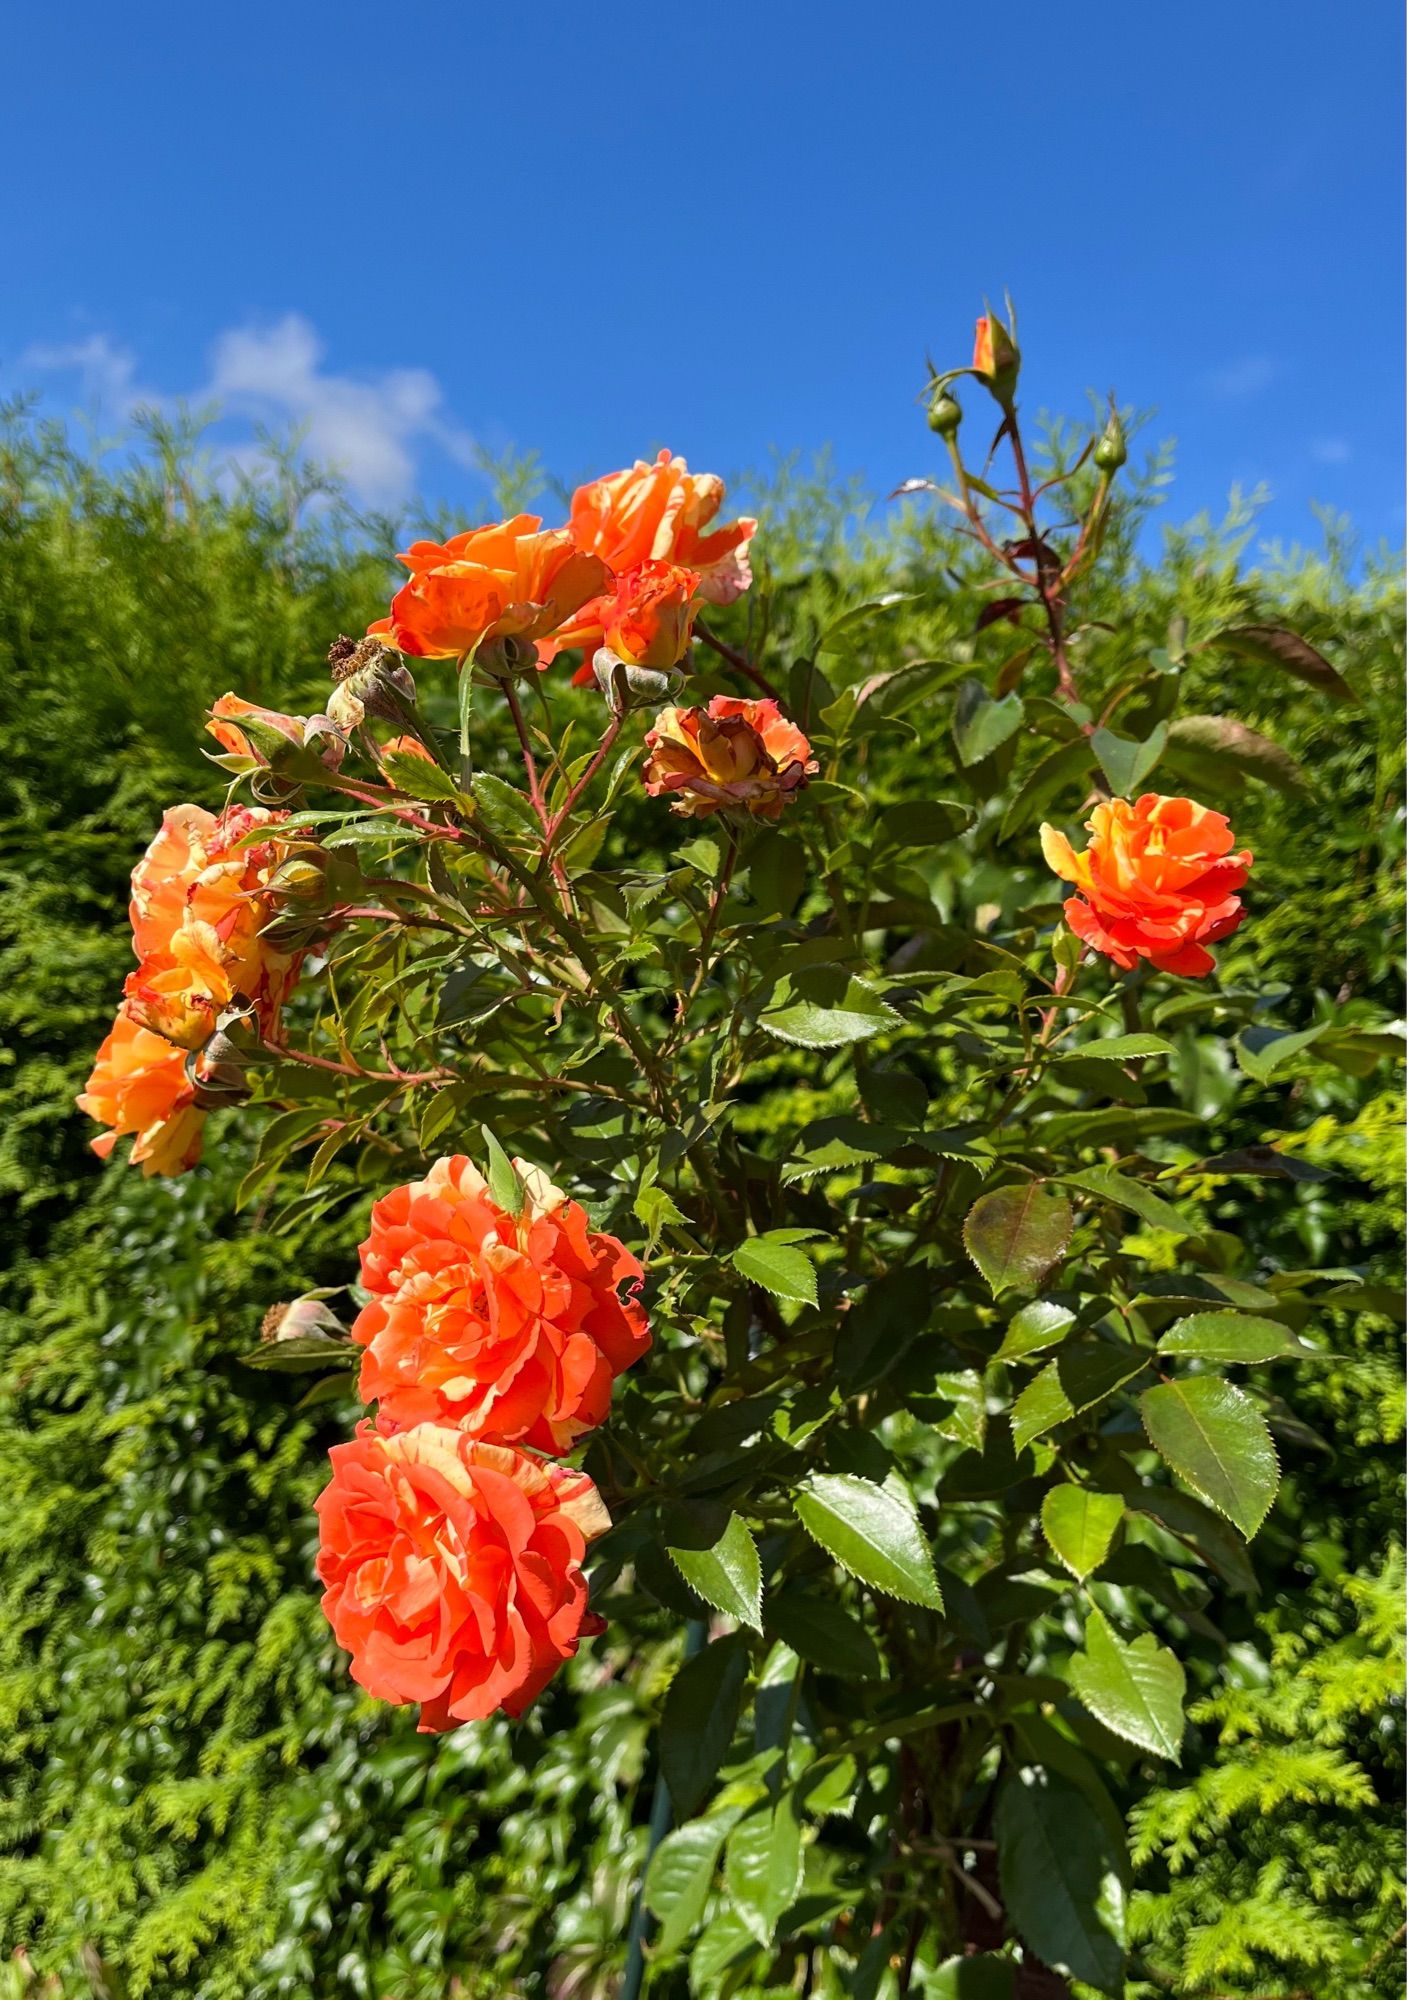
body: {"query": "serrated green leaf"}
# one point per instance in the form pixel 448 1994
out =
pixel 1136 1690
pixel 1039 1325
pixel 872 1532
pixel 1061 1877
pixel 762 1866
pixel 1220 746
pixel 1260 1051
pixel 818 1630
pixel 304 1351
pixel 1214 1437
pixel 778 1266
pixel 1275 646
pixel 1080 1526
pixel 1062 767
pixel 700 1714
pixel 679 1878
pixel 1106 1184
pixel 1076 1380
pixel 1126 763
pixel 923 823
pixel 809 1026
pixel 1230 1337
pixel 418 778
pixel 980 724
pixel 506 811
pixel 1015 1234
pixel 1120 1048
pixel 728 1575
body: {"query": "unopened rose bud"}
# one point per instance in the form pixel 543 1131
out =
pixel 507 657
pixel 1112 450
pixel 944 414
pixel 626 687
pixel 216 1081
pixel 302 879
pixel 996 359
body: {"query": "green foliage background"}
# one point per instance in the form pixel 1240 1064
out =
pixel 196 1798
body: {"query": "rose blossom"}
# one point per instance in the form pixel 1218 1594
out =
pixel 453 1569
pixel 1158 881
pixel 513 1327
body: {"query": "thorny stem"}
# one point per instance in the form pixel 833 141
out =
pixel 1049 590
pixel 515 709
pixel 735 659
pixel 559 819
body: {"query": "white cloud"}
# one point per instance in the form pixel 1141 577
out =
pixel 1331 451
pixel 369 427
pixel 107 372
pixel 1246 376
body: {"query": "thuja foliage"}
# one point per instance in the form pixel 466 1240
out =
pixel 201 1803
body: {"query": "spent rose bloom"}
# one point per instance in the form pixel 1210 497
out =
pixel 452 1569
pixel 743 754
pixel 650 620
pixel 198 907
pixel 139 1085
pixel 1158 881
pixel 512 1327
pixel 508 580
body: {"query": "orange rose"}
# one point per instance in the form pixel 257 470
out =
pixel 139 1085
pixel 197 911
pixel 650 620
pixel 453 1569
pixel 656 513
pixel 1157 881
pixel 734 753
pixel 511 1327
pixel 503 581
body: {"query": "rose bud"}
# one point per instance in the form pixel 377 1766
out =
pixel 626 687
pixel 740 755
pixel 1112 450
pixel 996 359
pixel 944 414
pixel 1158 881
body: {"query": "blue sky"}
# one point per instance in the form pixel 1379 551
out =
pixel 595 229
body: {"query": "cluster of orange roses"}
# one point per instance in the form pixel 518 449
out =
pixel 624 581
pixel 198 909
pixel 451 1553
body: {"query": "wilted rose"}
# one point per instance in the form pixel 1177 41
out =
pixel 741 754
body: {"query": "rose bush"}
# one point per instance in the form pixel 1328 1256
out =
pixel 935 1455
